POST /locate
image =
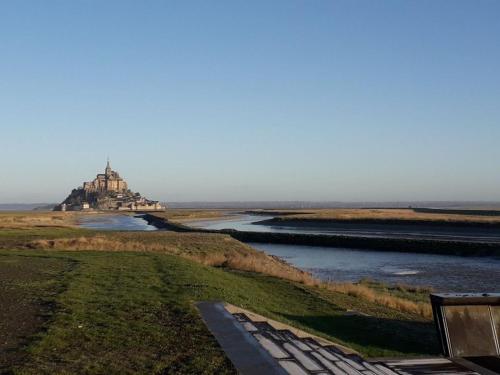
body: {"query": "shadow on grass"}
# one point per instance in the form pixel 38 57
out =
pixel 371 334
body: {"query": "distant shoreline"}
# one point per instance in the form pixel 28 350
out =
pixel 307 205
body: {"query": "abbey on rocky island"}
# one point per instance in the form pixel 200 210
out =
pixel 108 191
pixel 108 181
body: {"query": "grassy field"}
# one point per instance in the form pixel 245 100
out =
pixel 380 214
pixel 114 302
pixel 28 286
pixel 219 251
pixel 126 312
pixel 31 219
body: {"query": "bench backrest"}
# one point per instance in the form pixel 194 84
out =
pixel 468 324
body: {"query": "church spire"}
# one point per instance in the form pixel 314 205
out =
pixel 108 168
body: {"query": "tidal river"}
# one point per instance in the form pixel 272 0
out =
pixel 443 272
pixel 115 222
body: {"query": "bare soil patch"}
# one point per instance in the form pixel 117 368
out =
pixel 28 286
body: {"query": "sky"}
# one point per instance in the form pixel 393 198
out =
pixel 252 100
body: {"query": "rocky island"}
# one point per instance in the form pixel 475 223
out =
pixel 108 191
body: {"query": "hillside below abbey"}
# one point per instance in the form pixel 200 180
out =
pixel 108 191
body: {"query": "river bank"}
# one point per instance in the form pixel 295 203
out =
pixel 130 295
pixel 328 222
pixel 387 215
pixel 445 266
pixel 448 247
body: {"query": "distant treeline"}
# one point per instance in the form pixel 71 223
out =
pixel 458 212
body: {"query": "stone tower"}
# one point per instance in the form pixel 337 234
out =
pixel 108 170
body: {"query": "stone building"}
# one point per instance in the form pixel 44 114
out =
pixel 108 191
pixel 107 181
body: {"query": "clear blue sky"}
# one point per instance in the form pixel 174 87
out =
pixel 252 100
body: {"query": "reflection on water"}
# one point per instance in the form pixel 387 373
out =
pixel 367 230
pixel 443 272
pixel 115 222
pixel 239 222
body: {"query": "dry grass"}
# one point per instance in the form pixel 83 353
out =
pixel 386 214
pixel 209 249
pixel 223 251
pixel 18 220
pixel 368 294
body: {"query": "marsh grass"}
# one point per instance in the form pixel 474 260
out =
pixel 18 220
pixel 56 231
pixel 223 251
pixel 208 249
pixel 126 303
pixel 384 214
pixel 382 298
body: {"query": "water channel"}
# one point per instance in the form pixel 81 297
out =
pixel 115 222
pixel 442 272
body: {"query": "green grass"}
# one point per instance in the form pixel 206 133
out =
pixel 127 312
pixel 28 286
pixel 133 312
pixel 118 316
